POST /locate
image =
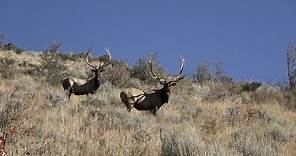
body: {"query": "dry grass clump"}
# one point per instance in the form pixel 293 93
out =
pixel 188 143
pixel 220 91
pixel 252 143
pixel 210 119
pixel 15 100
pixel 290 99
pixel 267 94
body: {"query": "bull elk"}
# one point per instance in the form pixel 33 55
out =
pixel 82 86
pixel 142 100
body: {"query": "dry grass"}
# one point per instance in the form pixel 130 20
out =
pixel 38 119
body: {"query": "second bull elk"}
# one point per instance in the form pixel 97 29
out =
pixel 141 100
pixel 81 86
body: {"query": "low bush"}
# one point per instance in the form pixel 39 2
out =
pixel 290 99
pixel 203 74
pixel 189 144
pixel 12 47
pixel 70 56
pixel 118 75
pixel 141 69
pixel 267 94
pixel 53 67
pixel 6 68
pixel 250 87
pixel 249 143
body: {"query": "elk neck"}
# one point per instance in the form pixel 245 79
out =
pixel 164 94
pixel 95 80
pixel 96 75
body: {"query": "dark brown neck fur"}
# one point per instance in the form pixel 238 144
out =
pixel 164 94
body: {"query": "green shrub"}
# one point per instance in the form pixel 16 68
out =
pixel 53 67
pixel 141 69
pixel 13 47
pixel 6 61
pixel 65 57
pixel 6 70
pixel 220 76
pixel 118 75
pixel 19 50
pixel 250 87
pixel 70 56
pixel 290 99
pixel 203 74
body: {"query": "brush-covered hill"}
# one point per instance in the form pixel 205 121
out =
pixel 213 118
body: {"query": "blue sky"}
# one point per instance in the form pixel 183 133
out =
pixel 250 37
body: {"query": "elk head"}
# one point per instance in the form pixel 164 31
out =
pixel 167 84
pixel 97 68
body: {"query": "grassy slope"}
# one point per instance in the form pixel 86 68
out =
pixel 39 120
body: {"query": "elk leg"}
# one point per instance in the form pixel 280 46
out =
pixel 69 92
pixel 92 92
pixel 153 111
pixel 69 95
pixel 129 107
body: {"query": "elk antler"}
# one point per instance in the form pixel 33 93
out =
pixel 151 69
pixel 109 59
pixel 101 66
pixel 179 76
pixel 86 59
pixel 152 73
pixel 175 79
pixel 181 68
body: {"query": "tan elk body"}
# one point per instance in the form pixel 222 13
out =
pixel 81 86
pixel 152 101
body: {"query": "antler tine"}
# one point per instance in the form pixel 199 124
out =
pixel 180 76
pixel 86 59
pixel 109 59
pixel 109 54
pixel 152 73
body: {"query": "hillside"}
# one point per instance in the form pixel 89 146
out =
pixel 210 119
